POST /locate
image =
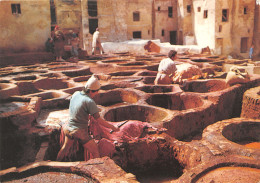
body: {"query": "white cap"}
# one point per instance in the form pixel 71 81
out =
pixel 93 83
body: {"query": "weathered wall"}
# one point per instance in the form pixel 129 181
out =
pixel 163 21
pixel 204 28
pixel 27 31
pixel 111 21
pixel 256 37
pixel 238 25
pixel 185 21
pixel 226 33
pixel 242 26
pixel 68 15
pixel 145 23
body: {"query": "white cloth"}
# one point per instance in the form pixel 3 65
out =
pixel 186 71
pixel 237 76
pixel 96 39
pixel 165 69
pixel 93 83
pixel 167 66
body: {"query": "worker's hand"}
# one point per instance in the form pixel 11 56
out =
pixel 115 129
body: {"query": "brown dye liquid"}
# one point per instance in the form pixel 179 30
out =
pixel 254 145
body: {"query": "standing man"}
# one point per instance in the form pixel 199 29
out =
pixel 74 46
pixel 59 42
pixel 251 51
pixel 81 106
pixel 166 69
pixel 96 43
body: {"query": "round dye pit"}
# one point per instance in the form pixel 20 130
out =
pixel 175 101
pixel 26 88
pixel 204 86
pixel 245 133
pixel 48 84
pixel 114 61
pixel 149 79
pixel 7 90
pixel 159 88
pixel 5 86
pixel 127 73
pixel 200 59
pixel 81 78
pixel 63 68
pixel 51 75
pixel 230 175
pixel 136 112
pixel 132 64
pixel 119 96
pixel 50 95
pixel 237 136
pixel 25 78
pixel 53 99
pixel 146 73
pixel 78 71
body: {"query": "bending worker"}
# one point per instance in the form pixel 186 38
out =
pixel 166 69
pixel 81 106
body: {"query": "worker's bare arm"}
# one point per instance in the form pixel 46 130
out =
pixel 105 123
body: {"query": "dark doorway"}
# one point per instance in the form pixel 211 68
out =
pixel 137 34
pixel 93 24
pixel 180 40
pixel 53 12
pixel 243 47
pixel 173 37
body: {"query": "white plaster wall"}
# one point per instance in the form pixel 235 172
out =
pixel 137 47
pixel 204 28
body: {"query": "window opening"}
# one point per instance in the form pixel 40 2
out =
pixel 220 28
pixel 189 8
pixel 245 10
pixel 16 8
pixel 170 11
pixel 199 9
pixel 53 12
pixel 205 15
pixel 136 16
pixel 137 34
pixel 243 47
pixel 163 32
pixel 93 24
pixel 159 8
pixel 224 15
pixel 92 8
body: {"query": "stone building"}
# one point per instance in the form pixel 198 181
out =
pixel 226 26
pixel 24 25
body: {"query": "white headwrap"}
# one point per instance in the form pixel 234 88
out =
pixel 93 83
